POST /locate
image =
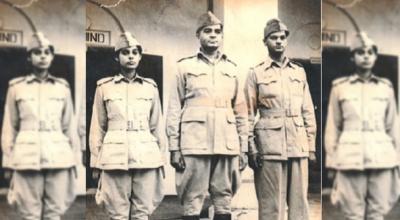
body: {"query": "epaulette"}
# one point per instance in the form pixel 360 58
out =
pixel 104 80
pixel 185 58
pixel 260 64
pixel 296 63
pixel 62 81
pixel 16 80
pixel 340 80
pixel 386 81
pixel 151 81
pixel 231 62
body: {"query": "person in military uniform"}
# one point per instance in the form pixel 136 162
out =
pixel 283 140
pixel 207 125
pixel 362 138
pixel 39 139
pixel 127 138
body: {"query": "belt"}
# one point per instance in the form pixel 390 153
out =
pixel 127 125
pixel 364 126
pixel 208 102
pixel 277 113
pixel 40 125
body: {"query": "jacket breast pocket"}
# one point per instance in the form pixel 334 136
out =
pixel 27 105
pixel 228 85
pixel 115 105
pixel 114 150
pixel 269 136
pixel 55 104
pixel 194 129
pixel 197 80
pixel 350 106
pixel 232 137
pixel 269 87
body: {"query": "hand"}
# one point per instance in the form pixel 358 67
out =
pixel 84 158
pixel 255 161
pixel 312 158
pixel 331 174
pixel 95 174
pixel 242 161
pixel 177 161
pixel 8 174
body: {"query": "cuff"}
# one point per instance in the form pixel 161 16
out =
pixel 173 144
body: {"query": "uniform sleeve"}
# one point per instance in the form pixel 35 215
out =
pixel 241 115
pixel 251 98
pixel 333 126
pixel 69 127
pixel 156 122
pixel 174 111
pixel 98 126
pixel 308 113
pixel 10 127
pixel 392 122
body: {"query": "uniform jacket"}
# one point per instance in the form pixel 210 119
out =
pixel 207 110
pixel 362 127
pixel 281 96
pixel 126 129
pixel 38 129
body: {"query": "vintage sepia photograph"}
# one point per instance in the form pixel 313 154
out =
pixel 42 67
pixel 360 70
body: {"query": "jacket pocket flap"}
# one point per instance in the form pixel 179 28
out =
pixel 198 115
pixel 270 123
pixel 114 137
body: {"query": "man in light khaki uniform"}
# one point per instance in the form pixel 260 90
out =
pixel 39 140
pixel 362 138
pixel 127 138
pixel 283 140
pixel 207 125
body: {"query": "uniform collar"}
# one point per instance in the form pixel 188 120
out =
pixel 220 56
pixel 356 78
pixel 31 78
pixel 268 63
pixel 118 78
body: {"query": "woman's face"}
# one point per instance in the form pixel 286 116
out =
pixel 41 57
pixel 129 57
pixel 365 57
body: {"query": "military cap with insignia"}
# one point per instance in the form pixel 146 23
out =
pixel 126 39
pixel 207 19
pixel 275 25
pixel 362 40
pixel 39 40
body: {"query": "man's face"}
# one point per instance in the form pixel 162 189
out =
pixel 210 36
pixel 129 57
pixel 276 42
pixel 41 57
pixel 365 57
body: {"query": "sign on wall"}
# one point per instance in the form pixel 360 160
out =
pixel 333 38
pixel 10 37
pixel 98 38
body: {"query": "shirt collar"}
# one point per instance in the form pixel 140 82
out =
pixel 119 77
pixel 32 77
pixel 356 78
pixel 220 56
pixel 268 63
